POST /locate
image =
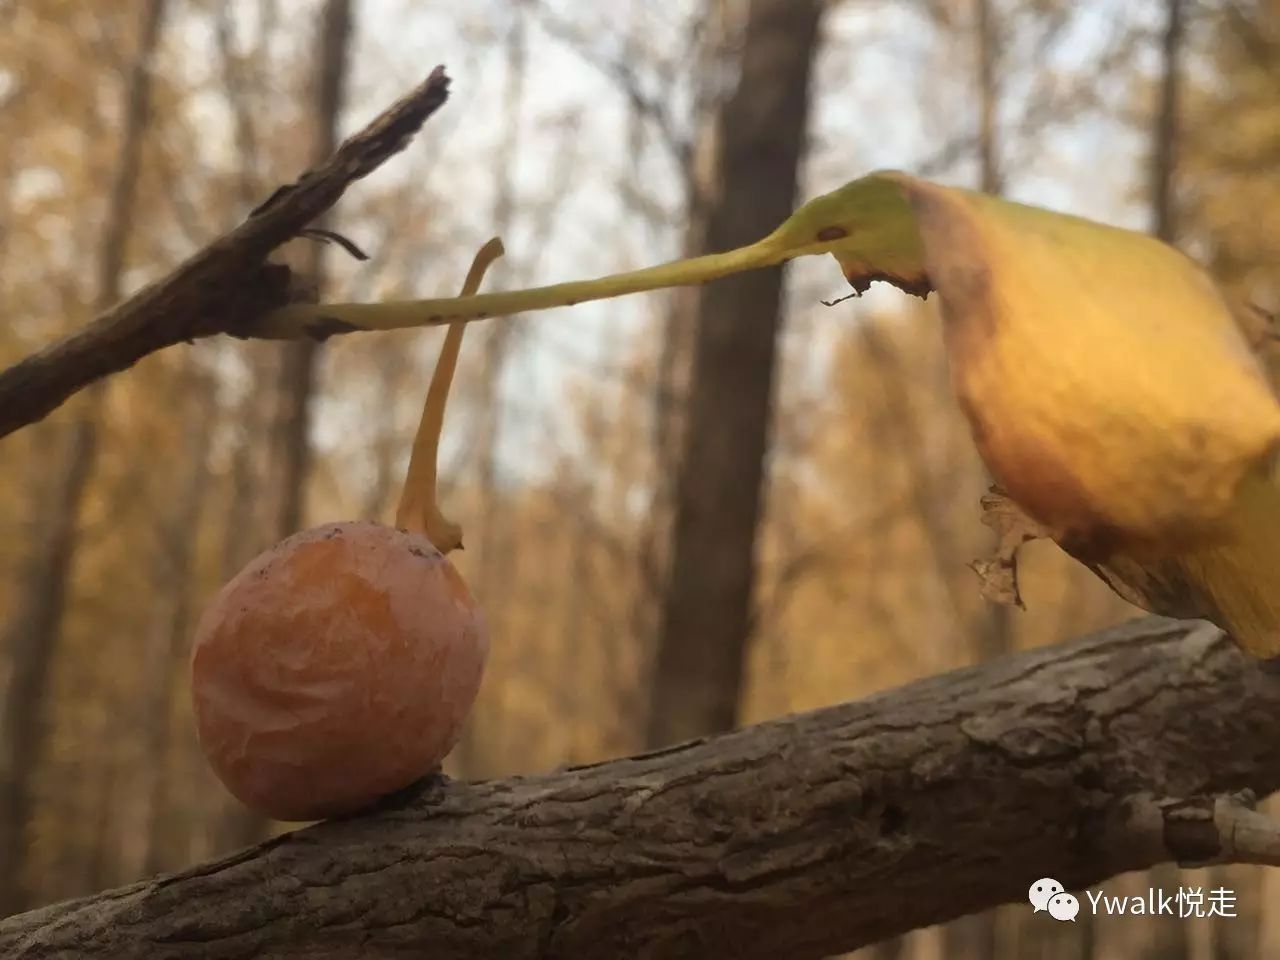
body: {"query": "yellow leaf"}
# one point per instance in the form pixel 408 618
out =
pixel 1109 388
pixel 1232 580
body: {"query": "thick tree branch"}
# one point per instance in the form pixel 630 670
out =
pixel 224 288
pixel 801 837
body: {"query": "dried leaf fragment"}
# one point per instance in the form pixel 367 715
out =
pixel 998 573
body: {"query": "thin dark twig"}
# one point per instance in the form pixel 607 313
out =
pixel 332 236
pixel 224 288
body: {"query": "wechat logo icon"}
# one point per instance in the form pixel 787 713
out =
pixel 1048 896
pixel 1064 907
pixel 1041 892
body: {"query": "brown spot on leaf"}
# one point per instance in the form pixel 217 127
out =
pixel 952 245
pixel 325 327
pixel 1043 486
pixel 1154 585
pixel 1046 486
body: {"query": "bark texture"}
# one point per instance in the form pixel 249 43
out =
pixel 801 837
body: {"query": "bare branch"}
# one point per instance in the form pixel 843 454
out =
pixel 1205 830
pixel 224 288
pixel 802 837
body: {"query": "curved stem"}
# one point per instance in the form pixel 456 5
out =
pixel 418 508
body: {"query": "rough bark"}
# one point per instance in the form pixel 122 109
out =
pixel 800 837
pixel 706 605
pixel 224 288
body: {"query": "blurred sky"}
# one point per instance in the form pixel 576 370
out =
pixel 889 91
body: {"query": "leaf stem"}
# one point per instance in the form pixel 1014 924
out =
pixel 419 508
pixel 313 319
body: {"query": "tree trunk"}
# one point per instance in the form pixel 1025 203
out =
pixel 492 574
pixel 298 364
pixel 33 632
pixel 1169 939
pixel 299 358
pixel 998 636
pixel 706 607
pixel 696 161
pixel 248 515
pixel 978 935
pixel 1164 145
pixel 172 624
pixel 799 838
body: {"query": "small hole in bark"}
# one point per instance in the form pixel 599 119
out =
pixel 1090 778
pixel 893 820
pixel 560 914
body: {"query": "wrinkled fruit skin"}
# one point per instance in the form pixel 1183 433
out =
pixel 337 667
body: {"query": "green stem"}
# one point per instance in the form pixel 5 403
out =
pixel 309 319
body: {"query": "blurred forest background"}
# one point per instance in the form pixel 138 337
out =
pixel 684 511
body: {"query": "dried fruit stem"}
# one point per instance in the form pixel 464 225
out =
pixel 418 508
